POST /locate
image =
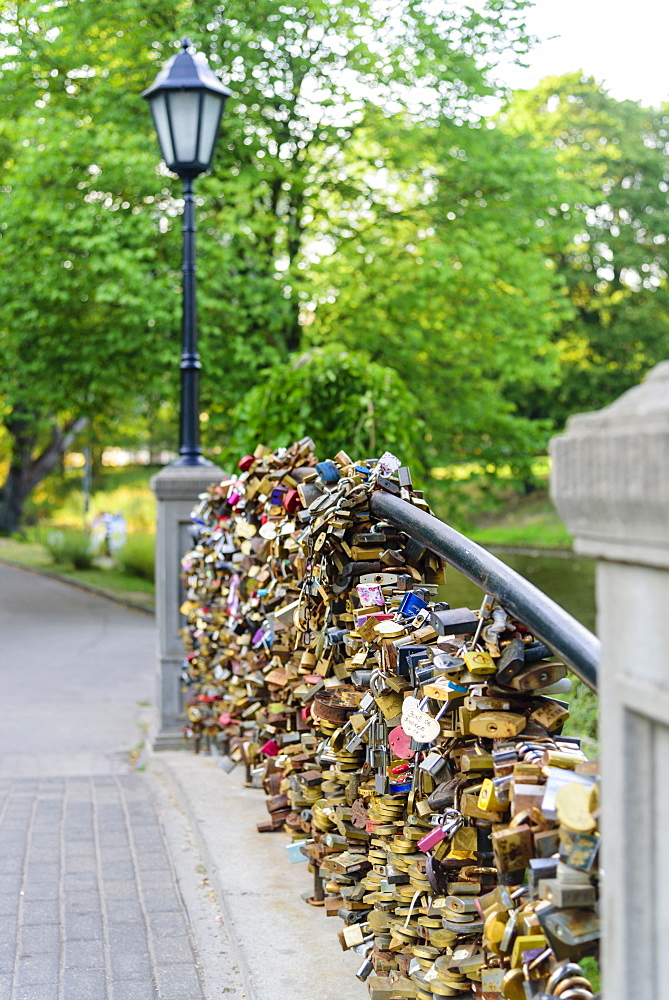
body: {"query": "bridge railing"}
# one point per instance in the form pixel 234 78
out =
pixel 568 638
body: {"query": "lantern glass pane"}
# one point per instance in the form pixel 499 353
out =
pixel 211 113
pixel 184 107
pixel 160 120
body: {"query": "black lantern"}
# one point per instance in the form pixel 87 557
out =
pixel 186 101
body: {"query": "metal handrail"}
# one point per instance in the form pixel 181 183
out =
pixel 571 641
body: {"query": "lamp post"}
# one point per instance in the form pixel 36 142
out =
pixel 186 101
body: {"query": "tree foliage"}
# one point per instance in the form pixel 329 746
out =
pixel 447 281
pixel 357 198
pixel 615 263
pixel 334 396
pixel 86 318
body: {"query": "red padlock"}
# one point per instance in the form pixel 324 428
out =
pixel 246 462
pixel 291 501
pixel 400 744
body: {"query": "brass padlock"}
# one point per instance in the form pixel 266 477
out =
pixel 497 725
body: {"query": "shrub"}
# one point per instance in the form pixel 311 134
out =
pixel 69 547
pixel 138 556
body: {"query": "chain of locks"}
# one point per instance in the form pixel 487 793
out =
pixel 411 750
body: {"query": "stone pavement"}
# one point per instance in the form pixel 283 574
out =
pixel 103 893
pixel 89 900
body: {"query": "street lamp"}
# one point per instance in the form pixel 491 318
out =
pixel 186 101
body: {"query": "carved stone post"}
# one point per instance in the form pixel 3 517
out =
pixel 176 489
pixel 610 483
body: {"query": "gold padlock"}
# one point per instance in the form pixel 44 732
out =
pixel 390 703
pixel 551 715
pixel 488 800
pixel 497 725
pixel 479 662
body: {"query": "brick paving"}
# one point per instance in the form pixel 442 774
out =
pixel 89 905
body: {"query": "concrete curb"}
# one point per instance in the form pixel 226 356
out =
pixel 91 588
pixel 284 948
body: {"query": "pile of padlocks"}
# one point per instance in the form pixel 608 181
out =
pixel 412 750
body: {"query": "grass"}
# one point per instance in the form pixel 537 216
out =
pixel 69 547
pixel 590 967
pixel 531 522
pixel 584 717
pixel 138 556
pixel 125 491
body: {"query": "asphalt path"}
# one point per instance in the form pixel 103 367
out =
pixel 78 677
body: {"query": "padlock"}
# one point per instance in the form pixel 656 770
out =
pixel 489 799
pixel 497 725
pixel 455 621
pixel 479 662
pixel 512 848
pixel 539 675
pixel 320 685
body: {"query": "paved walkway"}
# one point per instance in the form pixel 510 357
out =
pixel 102 895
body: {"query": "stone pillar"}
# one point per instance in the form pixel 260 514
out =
pixel 610 483
pixel 176 489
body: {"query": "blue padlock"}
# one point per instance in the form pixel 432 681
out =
pixel 411 604
pixel 277 495
pixel 328 472
pixel 294 850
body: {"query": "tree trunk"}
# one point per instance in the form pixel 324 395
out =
pixel 25 471
pixel 11 501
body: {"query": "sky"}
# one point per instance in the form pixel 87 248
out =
pixel 622 44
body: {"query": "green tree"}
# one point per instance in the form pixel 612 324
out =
pixel 615 263
pixel 447 281
pixel 88 317
pixel 78 332
pixel 335 396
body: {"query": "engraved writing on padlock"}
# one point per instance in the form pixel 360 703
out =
pixel 411 604
pixel 418 724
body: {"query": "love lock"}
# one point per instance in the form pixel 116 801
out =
pixel 389 702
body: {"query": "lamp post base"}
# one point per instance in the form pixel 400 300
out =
pixel 176 488
pixel 192 461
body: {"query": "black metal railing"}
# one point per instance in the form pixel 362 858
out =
pixel 568 638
